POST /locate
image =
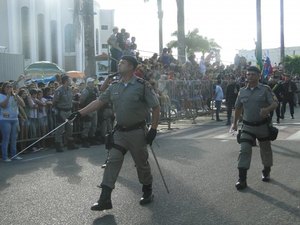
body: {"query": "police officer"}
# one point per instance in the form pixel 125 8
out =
pixel 131 97
pixel 256 101
pixel 89 94
pixel 62 102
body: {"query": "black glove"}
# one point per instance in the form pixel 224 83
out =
pixel 150 136
pixel 74 115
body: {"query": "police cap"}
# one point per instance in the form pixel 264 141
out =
pixel 131 60
pixel 254 69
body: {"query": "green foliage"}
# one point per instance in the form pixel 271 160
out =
pixel 196 43
pixel 292 64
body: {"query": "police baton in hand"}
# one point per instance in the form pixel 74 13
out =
pixel 159 169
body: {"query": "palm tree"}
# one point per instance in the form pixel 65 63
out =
pixel 84 17
pixel 196 43
pixel 89 44
pixel 180 28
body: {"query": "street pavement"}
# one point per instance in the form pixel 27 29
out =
pixel 198 161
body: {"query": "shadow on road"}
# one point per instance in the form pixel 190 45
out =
pixel 286 151
pixel 277 203
pixel 106 219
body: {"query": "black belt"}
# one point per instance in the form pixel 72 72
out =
pixel 65 110
pixel 258 123
pixel 136 126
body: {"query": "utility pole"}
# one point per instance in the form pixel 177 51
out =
pixel 259 38
pixel 282 53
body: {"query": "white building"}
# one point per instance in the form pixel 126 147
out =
pixel 273 53
pixel 44 30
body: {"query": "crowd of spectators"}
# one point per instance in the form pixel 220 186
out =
pixel 183 89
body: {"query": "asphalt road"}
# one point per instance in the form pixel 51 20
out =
pixel 199 164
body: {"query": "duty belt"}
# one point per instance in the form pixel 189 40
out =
pixel 258 123
pixel 136 126
pixel 64 110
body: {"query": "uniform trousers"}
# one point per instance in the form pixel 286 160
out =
pixel 90 125
pixel 245 154
pixel 61 117
pixel 133 141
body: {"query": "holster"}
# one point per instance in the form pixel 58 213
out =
pixel 109 140
pixel 273 133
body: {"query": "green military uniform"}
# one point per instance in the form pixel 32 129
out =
pixel 90 121
pixel 252 100
pixel 62 102
pixel 131 103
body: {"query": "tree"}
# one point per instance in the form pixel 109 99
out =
pixel 181 31
pixel 292 64
pixel 89 41
pixel 180 28
pixel 84 17
pixel 196 43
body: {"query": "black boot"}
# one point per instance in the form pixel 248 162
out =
pixel 242 183
pixel 266 174
pixel 58 147
pixel 104 201
pixel 147 196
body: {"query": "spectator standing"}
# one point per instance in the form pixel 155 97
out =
pixel 218 97
pixel 115 50
pixel 9 122
pixel 231 94
pixel 289 90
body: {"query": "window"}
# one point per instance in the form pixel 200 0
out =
pixel 25 32
pixel 69 38
pixel 41 37
pixel 97 41
pixel 53 27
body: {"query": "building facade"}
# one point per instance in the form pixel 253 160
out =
pixel 44 30
pixel 273 53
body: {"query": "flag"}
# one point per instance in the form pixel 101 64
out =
pixel 267 68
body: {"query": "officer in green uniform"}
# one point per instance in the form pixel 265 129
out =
pixel 132 97
pixel 256 101
pixel 62 102
pixel 89 123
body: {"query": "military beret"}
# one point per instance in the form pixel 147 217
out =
pixel 130 59
pixel 254 69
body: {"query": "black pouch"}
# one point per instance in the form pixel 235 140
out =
pixel 273 133
pixel 238 136
pixel 109 140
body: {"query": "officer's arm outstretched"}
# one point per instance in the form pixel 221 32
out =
pixel 93 106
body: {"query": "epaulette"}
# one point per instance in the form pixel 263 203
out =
pixel 267 86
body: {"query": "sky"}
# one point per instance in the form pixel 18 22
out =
pixel 231 23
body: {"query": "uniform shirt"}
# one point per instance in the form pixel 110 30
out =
pixel 131 101
pixel 63 98
pixel 253 100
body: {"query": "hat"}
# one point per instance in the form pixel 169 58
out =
pixel 130 59
pixel 254 69
pixel 90 80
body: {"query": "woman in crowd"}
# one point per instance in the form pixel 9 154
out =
pixel 9 122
